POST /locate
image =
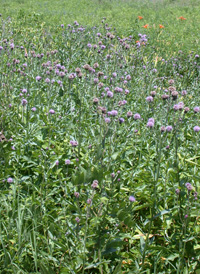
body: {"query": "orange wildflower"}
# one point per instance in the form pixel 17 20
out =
pixel 161 26
pixel 145 26
pixel 140 17
pixel 182 18
pixel 137 41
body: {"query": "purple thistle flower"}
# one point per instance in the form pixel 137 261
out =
pixel 177 191
pixel 107 120
pixel 76 194
pixel 33 109
pixel 47 80
pixel 114 112
pixel 151 120
pixel 67 162
pixel 38 78
pixel 109 94
pixel 150 124
pixel 149 99
pixel 121 120
pixel 24 102
pixel 184 92
pixel 189 186
pixel 132 199
pixel 51 111
pixel 10 180
pixel 196 128
pixel 128 77
pixel 129 114
pixel 12 45
pixel 77 219
pixel 95 184
pixel 169 128
pixel 127 91
pixel 162 129
pixel 89 201
pixel 196 109
pixel 137 116
pixel 57 162
pixel 74 143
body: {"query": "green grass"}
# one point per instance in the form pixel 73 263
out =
pixel 175 36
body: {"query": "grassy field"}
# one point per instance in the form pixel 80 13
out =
pixel 123 15
pixel 99 137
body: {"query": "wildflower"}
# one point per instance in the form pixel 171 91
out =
pixel 10 180
pixel 95 100
pixel 74 143
pixel 174 95
pixel 186 109
pixel 196 109
pixel 76 194
pixel 188 186
pixel 95 184
pixel 110 94
pixel 114 112
pixel 162 129
pixel 140 17
pixel 165 96
pixel 57 162
pixel 132 199
pixel 77 219
pixel 150 124
pixel 182 18
pixel 38 78
pixel 149 99
pixel 153 93
pixel 184 92
pixel 107 120
pixel 67 162
pixel 51 111
pixel 89 45
pixel 137 116
pixel 145 26
pixel 161 26
pixel 196 128
pixel 169 128
pixel 33 109
pixel 177 191
pixel 24 102
pixel 121 120
pixel 89 201
pixel 96 80
pixel 129 114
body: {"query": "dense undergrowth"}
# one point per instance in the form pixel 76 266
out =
pixel 99 148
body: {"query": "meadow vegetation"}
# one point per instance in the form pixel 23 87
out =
pixel 99 137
